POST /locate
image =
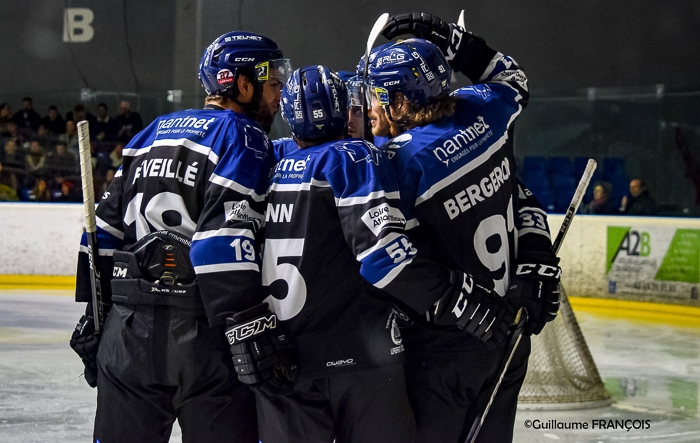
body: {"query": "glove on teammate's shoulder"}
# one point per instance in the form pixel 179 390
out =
pixel 535 286
pixel 454 42
pixel 262 356
pixel 85 343
pixel 476 309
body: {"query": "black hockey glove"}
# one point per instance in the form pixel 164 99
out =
pixel 446 36
pixel 464 51
pixel 262 356
pixel 535 286
pixel 476 309
pixel 85 342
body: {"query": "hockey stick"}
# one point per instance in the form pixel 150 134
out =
pixel 90 222
pixel 373 34
pixel 521 316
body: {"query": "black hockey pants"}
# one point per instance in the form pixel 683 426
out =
pixel 160 363
pixel 447 387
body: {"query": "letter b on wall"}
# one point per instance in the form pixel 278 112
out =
pixel 76 25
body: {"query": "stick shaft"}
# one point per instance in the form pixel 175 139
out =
pixel 522 317
pixel 575 202
pixel 90 219
pixel 379 24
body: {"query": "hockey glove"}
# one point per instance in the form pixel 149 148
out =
pixel 476 309
pixel 85 342
pixel 535 287
pixel 446 36
pixel 262 356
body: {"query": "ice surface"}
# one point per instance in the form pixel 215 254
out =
pixel 651 370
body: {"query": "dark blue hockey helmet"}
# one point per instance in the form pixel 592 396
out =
pixel 315 103
pixel 415 67
pixel 232 51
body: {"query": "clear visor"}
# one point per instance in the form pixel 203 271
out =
pixel 355 93
pixel 278 69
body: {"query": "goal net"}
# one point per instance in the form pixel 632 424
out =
pixel 561 372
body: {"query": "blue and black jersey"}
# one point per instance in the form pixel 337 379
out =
pixel 202 173
pixel 457 176
pixel 333 238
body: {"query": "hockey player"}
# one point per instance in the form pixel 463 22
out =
pixel 333 239
pixel 187 202
pixel 454 159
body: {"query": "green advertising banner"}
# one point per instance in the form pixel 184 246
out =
pixel 653 260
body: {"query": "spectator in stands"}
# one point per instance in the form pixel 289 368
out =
pixel 35 161
pixel 5 116
pixel 44 136
pixel 639 201
pixel 602 202
pixel 40 192
pixel 109 176
pixel 70 192
pixel 27 118
pixel 54 122
pixel 61 164
pixel 12 133
pixel 116 155
pixel 130 122
pixel 11 166
pixel 106 127
pixel 79 114
pixel 70 138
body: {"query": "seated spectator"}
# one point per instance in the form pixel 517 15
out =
pixel 54 122
pixel 79 114
pixel 7 194
pixel 106 127
pixel 35 161
pixel 602 202
pixel 5 116
pixel 44 136
pixel 70 138
pixel 21 138
pixel 130 122
pixel 61 164
pixel 70 192
pixel 13 167
pixel 40 192
pixel 639 201
pixel 116 155
pixel 109 176
pixel 27 118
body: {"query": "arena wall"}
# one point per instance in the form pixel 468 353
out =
pixel 630 258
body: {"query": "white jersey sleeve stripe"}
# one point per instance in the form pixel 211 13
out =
pixel 189 144
pixel 223 267
pixel 392 274
pixel 351 201
pixel 382 243
pixel 224 232
pixel 109 229
pixel 101 252
pixel 230 184
pixel 296 187
pixel 534 231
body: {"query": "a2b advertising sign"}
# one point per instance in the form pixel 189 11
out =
pixel 653 260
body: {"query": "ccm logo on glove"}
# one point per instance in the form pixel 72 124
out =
pixel 250 329
pixel 539 269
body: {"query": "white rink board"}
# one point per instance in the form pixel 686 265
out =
pixel 43 239
pixel 40 238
